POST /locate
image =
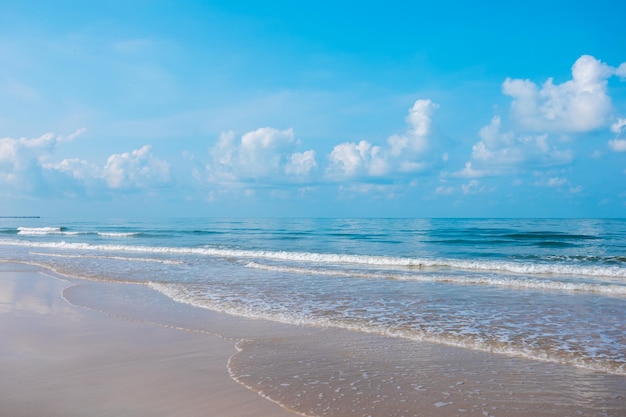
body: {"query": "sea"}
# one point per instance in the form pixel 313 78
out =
pixel 546 290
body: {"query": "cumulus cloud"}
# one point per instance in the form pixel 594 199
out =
pixel 578 105
pixel 76 168
pixel 135 169
pixel 419 122
pixel 270 156
pixel 501 151
pixel 23 160
pixel 400 155
pixel 301 164
pixel 356 159
pixel 264 154
pixel 537 115
pixel 27 165
pixel 128 170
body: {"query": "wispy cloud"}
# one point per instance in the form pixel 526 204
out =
pixel 618 145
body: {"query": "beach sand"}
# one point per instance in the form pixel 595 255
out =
pixel 57 359
pixel 75 348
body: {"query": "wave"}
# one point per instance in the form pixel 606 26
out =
pixel 523 268
pixel 510 282
pixel 182 294
pixel 118 234
pixel 39 230
pixel 115 258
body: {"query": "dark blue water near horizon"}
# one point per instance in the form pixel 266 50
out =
pixel 546 289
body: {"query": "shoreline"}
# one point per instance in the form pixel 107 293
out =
pixel 59 359
pixel 125 349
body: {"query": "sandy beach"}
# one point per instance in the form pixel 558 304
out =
pixel 75 348
pixel 61 360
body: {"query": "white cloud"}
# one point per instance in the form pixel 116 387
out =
pixel 503 151
pixel 618 145
pixel 263 154
pixel 26 165
pixel 301 164
pixel 578 105
pixel 419 122
pixel 543 112
pixel 23 160
pixel 618 126
pixel 356 159
pixel 443 190
pixel 76 168
pixel 263 151
pixel 73 135
pixel 350 159
pixel 496 147
pixel 469 172
pixel 378 191
pixel 556 182
pixel 471 187
pixel 407 167
pixel 138 168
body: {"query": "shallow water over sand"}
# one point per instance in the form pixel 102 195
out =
pixel 334 372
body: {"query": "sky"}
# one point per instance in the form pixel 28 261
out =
pixel 313 109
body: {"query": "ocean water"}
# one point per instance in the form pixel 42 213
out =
pixel 550 290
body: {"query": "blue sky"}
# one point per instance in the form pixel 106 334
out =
pixel 284 108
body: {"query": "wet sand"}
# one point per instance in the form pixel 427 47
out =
pixel 57 359
pixel 125 350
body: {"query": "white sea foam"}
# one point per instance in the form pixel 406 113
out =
pixel 181 294
pixel 338 259
pixel 501 281
pixel 38 230
pixel 34 231
pixel 118 234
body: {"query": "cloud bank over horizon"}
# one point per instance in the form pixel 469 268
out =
pixel 308 137
pixel 270 155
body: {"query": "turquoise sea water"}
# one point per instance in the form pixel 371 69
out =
pixel 546 289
